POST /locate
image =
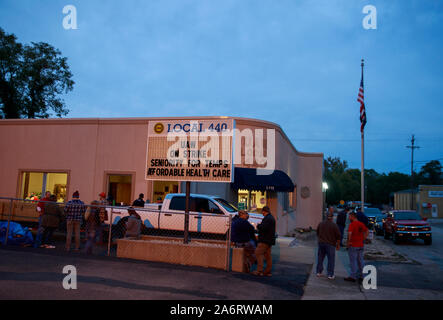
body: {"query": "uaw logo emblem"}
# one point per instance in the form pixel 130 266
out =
pixel 158 128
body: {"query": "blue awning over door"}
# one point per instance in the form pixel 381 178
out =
pixel 247 178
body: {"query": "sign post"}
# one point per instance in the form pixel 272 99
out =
pixel 190 150
pixel 186 229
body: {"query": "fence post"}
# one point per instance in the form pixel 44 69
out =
pixel 228 244
pixel 9 221
pixel 110 233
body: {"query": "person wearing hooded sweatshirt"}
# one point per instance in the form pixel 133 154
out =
pixel 134 224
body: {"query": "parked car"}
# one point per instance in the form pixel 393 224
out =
pixel 406 224
pixel 375 217
pixel 378 225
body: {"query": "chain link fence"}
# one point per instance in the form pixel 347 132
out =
pixel 146 233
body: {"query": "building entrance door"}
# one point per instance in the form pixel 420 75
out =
pixel 119 189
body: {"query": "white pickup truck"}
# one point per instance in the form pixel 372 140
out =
pixel 207 214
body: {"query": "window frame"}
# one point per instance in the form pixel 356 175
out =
pixel 106 175
pixel 21 173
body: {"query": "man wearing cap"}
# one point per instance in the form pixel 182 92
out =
pixel 74 210
pixel 41 210
pixel 139 202
pixel 328 241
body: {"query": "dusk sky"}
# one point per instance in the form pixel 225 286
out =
pixel 293 62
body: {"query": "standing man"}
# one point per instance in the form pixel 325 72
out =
pixel 266 239
pixel 328 236
pixel 41 210
pixel 362 217
pixel 103 216
pixel 341 223
pixel 75 211
pixel 50 221
pixel 357 233
pixel 92 225
pixel 139 202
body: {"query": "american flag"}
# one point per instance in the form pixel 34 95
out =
pixel 362 104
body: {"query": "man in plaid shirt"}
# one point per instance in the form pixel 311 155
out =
pixel 75 211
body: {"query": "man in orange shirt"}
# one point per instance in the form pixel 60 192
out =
pixel 357 233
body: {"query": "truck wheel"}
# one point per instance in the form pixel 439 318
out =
pixel 395 238
pixel 428 242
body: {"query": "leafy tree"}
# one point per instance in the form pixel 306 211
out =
pixel 334 169
pixel 32 78
pixel 10 67
pixel 344 183
pixel 393 182
pixel 430 173
pixel 335 165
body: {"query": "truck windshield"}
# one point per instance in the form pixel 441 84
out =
pixel 372 212
pixel 406 216
pixel 229 207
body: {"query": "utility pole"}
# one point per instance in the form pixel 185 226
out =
pixel 412 147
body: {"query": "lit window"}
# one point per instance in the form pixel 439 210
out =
pixel 251 200
pixel 35 184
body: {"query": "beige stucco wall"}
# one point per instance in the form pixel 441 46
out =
pixel 423 197
pixel 88 149
pixel 304 169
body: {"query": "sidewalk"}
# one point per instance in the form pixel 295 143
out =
pixel 318 288
pixel 321 288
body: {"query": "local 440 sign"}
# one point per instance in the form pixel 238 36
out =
pixel 190 150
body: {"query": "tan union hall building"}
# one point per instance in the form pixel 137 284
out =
pixel 94 155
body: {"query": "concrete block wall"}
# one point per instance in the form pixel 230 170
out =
pixel 199 253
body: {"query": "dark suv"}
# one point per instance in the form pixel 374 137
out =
pixel 403 224
pixel 374 216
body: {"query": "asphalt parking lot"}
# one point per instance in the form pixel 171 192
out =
pixel 28 273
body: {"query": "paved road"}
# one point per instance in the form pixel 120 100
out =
pixel 422 279
pixel 28 273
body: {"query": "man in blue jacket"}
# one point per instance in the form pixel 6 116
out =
pixel 266 239
pixel 243 236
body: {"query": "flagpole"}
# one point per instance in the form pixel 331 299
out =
pixel 362 171
pixel 362 156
